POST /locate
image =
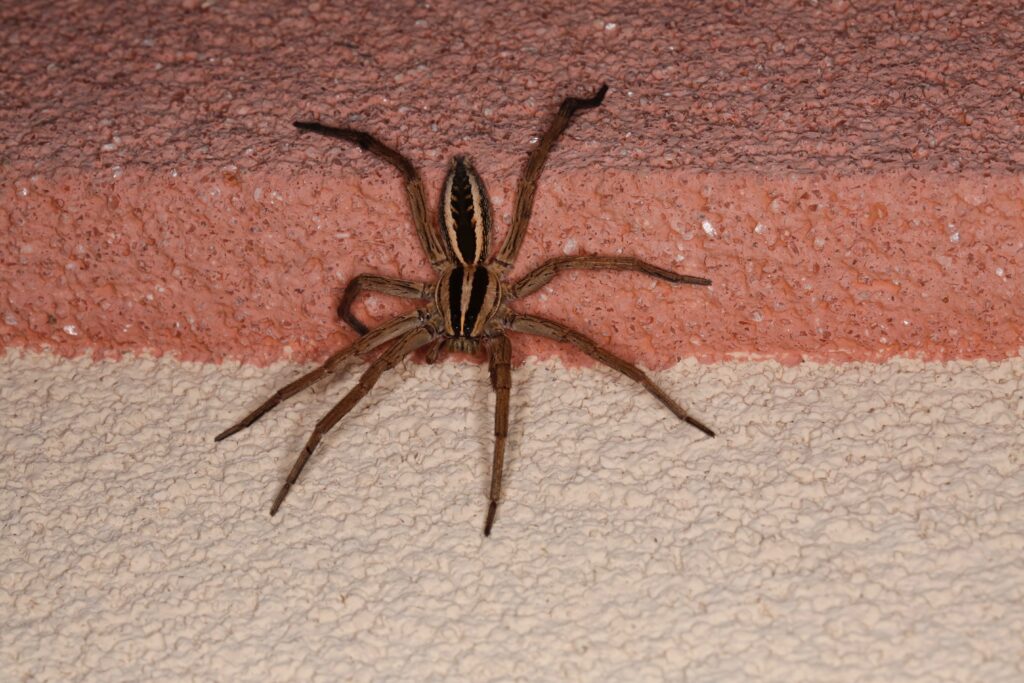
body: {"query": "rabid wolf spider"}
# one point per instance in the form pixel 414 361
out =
pixel 466 308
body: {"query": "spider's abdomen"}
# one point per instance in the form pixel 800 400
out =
pixel 465 213
pixel 467 297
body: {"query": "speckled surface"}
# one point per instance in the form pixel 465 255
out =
pixel 853 522
pixel 849 176
pixel 722 86
pixel 229 266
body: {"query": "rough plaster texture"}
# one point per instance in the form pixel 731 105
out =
pixel 848 174
pixel 852 522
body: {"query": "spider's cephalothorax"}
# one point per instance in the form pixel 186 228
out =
pixel 467 299
pixel 467 305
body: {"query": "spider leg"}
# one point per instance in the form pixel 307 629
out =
pixel 385 333
pixel 527 187
pixel 405 345
pixel 435 350
pixel 544 273
pixel 542 327
pixel 499 353
pixel 377 283
pixel 430 240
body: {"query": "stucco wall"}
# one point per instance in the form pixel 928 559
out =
pixel 848 174
pixel 850 523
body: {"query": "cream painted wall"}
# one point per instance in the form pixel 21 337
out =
pixel 854 522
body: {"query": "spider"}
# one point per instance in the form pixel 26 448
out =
pixel 467 307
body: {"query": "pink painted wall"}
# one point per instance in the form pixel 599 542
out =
pixel 851 179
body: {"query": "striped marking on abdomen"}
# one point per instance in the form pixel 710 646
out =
pixel 465 213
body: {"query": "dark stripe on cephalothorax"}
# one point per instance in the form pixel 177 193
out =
pixel 478 282
pixel 455 301
pixel 467 297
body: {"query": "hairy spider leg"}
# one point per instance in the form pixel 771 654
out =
pixel 541 327
pixel 526 188
pixel 383 334
pixel 402 347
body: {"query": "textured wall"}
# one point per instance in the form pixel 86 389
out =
pixel 723 86
pixel 849 176
pixel 850 523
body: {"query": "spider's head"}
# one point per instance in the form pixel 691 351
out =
pixel 465 213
